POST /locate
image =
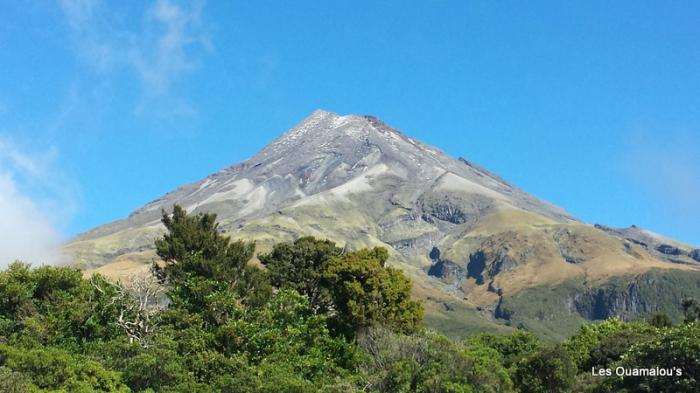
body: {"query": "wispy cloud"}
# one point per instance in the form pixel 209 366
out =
pixel 163 51
pixel 168 43
pixel 667 166
pixel 34 199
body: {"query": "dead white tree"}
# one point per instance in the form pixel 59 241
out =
pixel 136 317
pixel 137 321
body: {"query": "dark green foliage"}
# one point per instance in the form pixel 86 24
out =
pixel 512 348
pixel 672 349
pixel 57 306
pixel 194 246
pixel 199 261
pixel 366 292
pixel 660 320
pixel 602 344
pixel 53 368
pixel 14 382
pixel 308 346
pixel 546 371
pixel 337 322
pixel 300 266
pixel 356 289
pixel 691 309
pixel 429 362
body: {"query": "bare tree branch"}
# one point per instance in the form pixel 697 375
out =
pixel 136 318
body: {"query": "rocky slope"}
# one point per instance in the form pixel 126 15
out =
pixel 473 243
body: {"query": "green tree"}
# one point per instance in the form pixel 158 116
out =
pixel 198 260
pixel 660 320
pixel 356 289
pixel 675 349
pixel 429 362
pixel 300 265
pixel 366 292
pixel 600 344
pixel 286 331
pixel 193 246
pixel 547 371
pixel 512 347
pixel 14 382
pixel 691 309
pixel 58 306
pixel 55 369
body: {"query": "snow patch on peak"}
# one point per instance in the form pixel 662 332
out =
pixel 339 121
pixel 322 113
pixel 311 122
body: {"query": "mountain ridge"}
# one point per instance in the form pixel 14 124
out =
pixel 467 237
pixel 290 140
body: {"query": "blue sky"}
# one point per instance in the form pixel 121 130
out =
pixel 104 106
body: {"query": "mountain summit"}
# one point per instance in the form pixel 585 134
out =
pixel 473 243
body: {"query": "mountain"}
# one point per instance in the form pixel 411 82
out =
pixel 482 253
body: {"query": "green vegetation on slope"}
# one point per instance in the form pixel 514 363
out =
pixel 558 311
pixel 316 320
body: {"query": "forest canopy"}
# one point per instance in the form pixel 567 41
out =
pixel 314 318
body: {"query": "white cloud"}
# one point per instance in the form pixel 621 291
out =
pixel 34 200
pixel 166 45
pixel 85 21
pixel 163 55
